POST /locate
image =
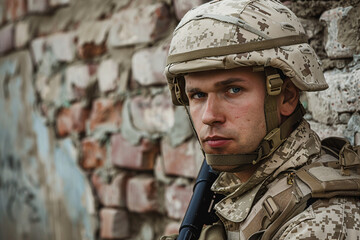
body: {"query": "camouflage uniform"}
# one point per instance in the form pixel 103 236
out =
pixel 226 34
pixel 335 218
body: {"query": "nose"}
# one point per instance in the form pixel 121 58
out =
pixel 213 112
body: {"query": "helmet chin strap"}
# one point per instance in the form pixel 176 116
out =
pixel 275 136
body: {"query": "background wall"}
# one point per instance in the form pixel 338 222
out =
pixel 90 144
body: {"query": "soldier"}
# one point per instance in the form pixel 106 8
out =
pixel 240 66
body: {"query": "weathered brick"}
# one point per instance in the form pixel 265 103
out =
pixel 37 6
pixel 77 76
pixel 126 155
pixel 335 45
pixel 148 65
pixel 142 24
pixel 71 119
pixel 111 194
pixel 342 96
pixel 38 48
pixel 152 114
pixel 15 9
pixel 172 228
pixel 22 36
pixel 184 160
pixel 93 154
pixel 6 38
pixel 183 6
pixel 57 3
pixel 115 224
pixel 324 130
pixel 177 199
pixel 141 194
pixel 62 46
pixel 108 75
pixel 91 38
pixel 105 112
pixel 90 50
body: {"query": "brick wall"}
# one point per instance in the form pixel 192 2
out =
pixel 88 118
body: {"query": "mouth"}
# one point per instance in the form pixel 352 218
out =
pixel 216 141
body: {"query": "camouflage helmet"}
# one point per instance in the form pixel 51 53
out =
pixel 225 34
pixel 264 34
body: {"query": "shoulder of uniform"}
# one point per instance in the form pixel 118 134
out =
pixel 337 215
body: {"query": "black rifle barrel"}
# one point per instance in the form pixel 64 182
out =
pixel 200 209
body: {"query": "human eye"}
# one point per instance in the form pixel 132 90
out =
pixel 234 90
pixel 197 95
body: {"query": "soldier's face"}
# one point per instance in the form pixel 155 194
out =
pixel 227 108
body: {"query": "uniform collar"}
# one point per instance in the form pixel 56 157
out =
pixel 302 145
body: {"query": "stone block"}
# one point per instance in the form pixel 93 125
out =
pixel 38 6
pixel 15 9
pixel 172 228
pixel 152 114
pixel 105 112
pixel 111 194
pixel 108 75
pixel 71 119
pixel 183 6
pixel 141 194
pixel 341 96
pixel 115 224
pixel 126 155
pixel 142 24
pixel 22 35
pixel 148 66
pixel 6 38
pixel 183 160
pixel 177 199
pixel 341 39
pixel 62 46
pixel 93 154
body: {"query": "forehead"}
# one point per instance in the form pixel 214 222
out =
pixel 243 74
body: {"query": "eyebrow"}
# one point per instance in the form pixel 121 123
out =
pixel 217 85
pixel 228 82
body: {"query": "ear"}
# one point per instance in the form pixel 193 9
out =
pixel 288 98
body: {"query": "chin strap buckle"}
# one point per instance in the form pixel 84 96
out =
pixel 273 84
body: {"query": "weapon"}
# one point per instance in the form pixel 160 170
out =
pixel 200 210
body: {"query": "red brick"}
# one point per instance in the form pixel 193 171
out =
pixel 111 194
pixel 172 228
pixel 115 224
pixel 184 160
pixel 6 38
pixel 126 155
pixel 177 199
pixel 105 112
pixel 141 194
pixel 71 119
pixel 15 9
pixel 93 154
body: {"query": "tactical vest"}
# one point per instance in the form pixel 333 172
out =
pixel 335 174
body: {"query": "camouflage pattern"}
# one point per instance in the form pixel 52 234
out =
pixel 320 221
pixel 214 25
